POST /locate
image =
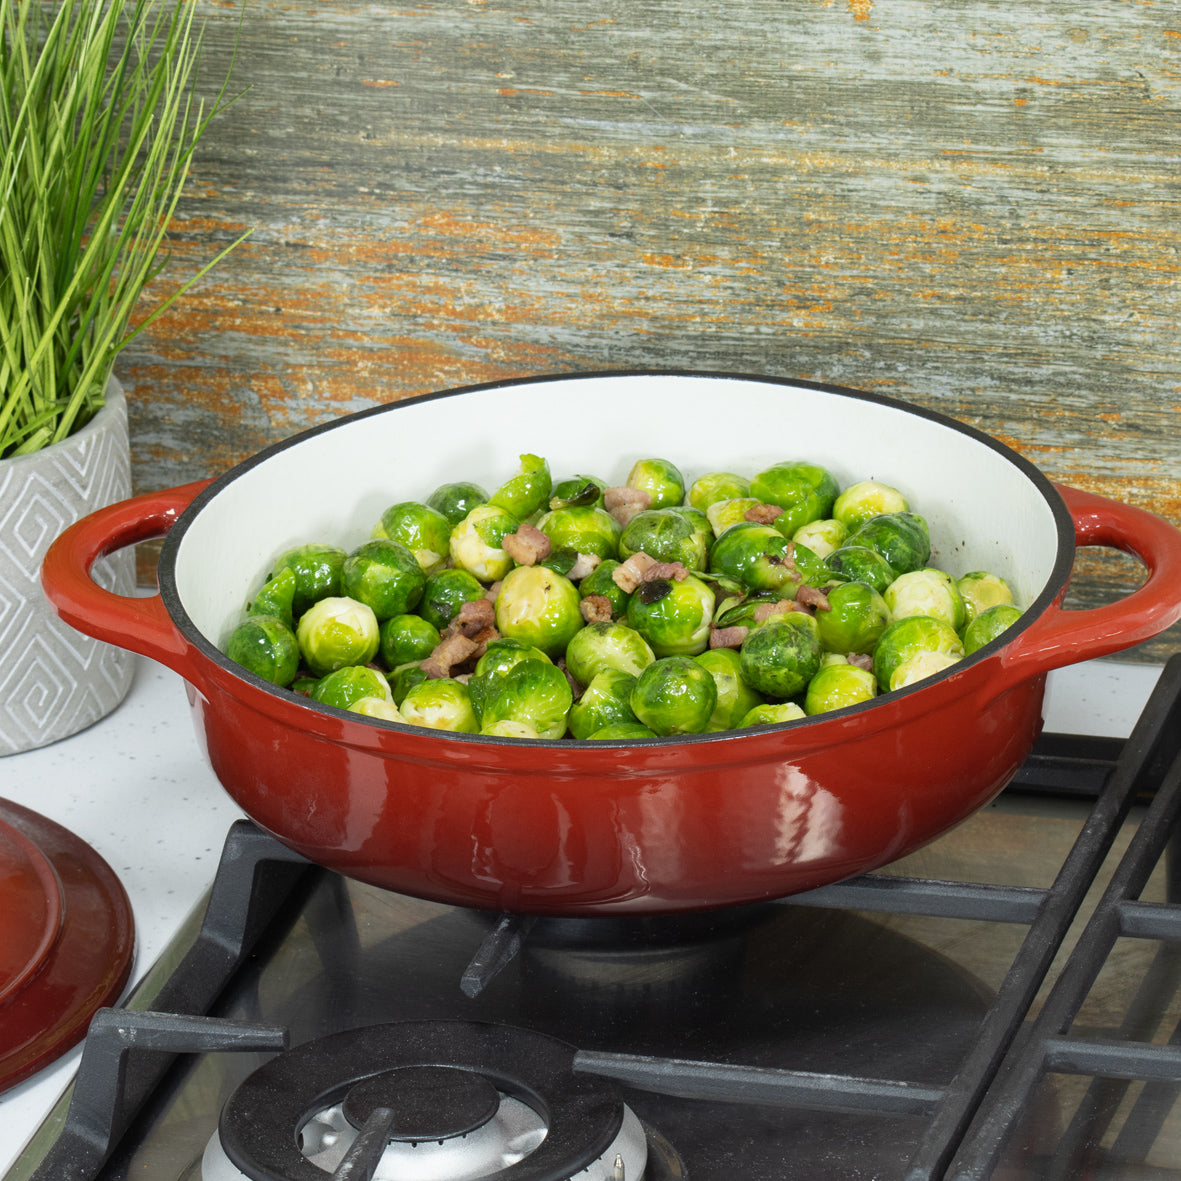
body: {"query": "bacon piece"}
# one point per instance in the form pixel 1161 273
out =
pixel 764 611
pixel 596 609
pixel 728 637
pixel 527 546
pixel 666 570
pixel 473 617
pixel 584 565
pixel 623 503
pixel 451 651
pixel 763 514
pixel 861 660
pixel 811 596
pixel 629 574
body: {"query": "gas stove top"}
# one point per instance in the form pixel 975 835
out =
pixel 949 1018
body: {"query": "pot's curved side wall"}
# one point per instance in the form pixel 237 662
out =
pixel 54 681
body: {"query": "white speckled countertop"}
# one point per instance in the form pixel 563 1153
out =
pixel 136 787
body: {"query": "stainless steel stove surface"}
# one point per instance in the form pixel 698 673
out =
pixel 914 1024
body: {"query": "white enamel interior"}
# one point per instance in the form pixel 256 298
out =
pixel 984 512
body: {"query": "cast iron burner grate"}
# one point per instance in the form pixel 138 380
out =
pixel 968 1123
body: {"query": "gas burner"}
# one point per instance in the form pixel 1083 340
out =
pixel 442 1101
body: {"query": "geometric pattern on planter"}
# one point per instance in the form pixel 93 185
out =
pixel 55 681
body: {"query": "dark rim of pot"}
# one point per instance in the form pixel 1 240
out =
pixel 1063 561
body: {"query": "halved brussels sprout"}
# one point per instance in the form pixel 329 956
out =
pixel 673 615
pixel 735 697
pixel 855 618
pixel 336 632
pixel 440 704
pixel 988 625
pixel 540 607
pixel 406 638
pixel 920 666
pixel 605 701
pixel 586 529
pixel 661 479
pixel 527 491
pixel 346 686
pixel 623 732
pixel 508 728
pixel 782 656
pixel 377 707
pixel 600 646
pixel 805 491
pixel 858 563
pixel 456 499
pixel 714 487
pixel 384 575
pixel 901 538
pixel 981 590
pixel 277 597
pixel 724 513
pixel 477 542
pixel 445 592
pixel 772 712
pixel 839 685
pixel 534 692
pixel 266 646
pixel 500 656
pixel 675 695
pixel 316 567
pixel 666 535
pixel 926 592
pixel 865 499
pixel 821 537
pixel 906 638
pixel 424 531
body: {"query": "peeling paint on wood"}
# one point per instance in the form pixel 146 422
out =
pixel 973 208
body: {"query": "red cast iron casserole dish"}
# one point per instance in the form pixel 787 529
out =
pixel 592 828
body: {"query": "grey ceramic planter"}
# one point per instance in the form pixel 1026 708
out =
pixel 55 681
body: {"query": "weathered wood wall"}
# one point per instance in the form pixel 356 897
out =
pixel 971 205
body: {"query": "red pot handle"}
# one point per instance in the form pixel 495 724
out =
pixel 1060 637
pixel 139 624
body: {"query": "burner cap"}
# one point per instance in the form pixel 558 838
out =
pixel 428 1102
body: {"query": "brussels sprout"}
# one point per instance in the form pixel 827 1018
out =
pixel 346 686
pixel 981 590
pixel 500 656
pixel 535 692
pixel 445 592
pixel 919 667
pixel 406 638
pixel 821 537
pixel 901 538
pixel 675 695
pixel 424 531
pixel 540 607
pixel 605 701
pixel 772 712
pixel 757 556
pixel 805 492
pixel 600 646
pixel 265 646
pixel 336 632
pixel 673 616
pixel 403 679
pixel 782 656
pixel 868 498
pixel 742 612
pixel 508 728
pixel 839 685
pixel 585 530
pixel 661 479
pixel 926 592
pixel 666 535
pixel 858 563
pixel 456 500
pixel 700 523
pixel 988 625
pixel 377 707
pixel 735 697
pixel 714 487
pixel 527 491
pixel 384 575
pixel 724 513
pixel 623 732
pixel 578 492
pixel 440 704
pixel 316 568
pixel 477 542
pixel 599 582
pixel 908 637
pixel 855 618
pixel 277 597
